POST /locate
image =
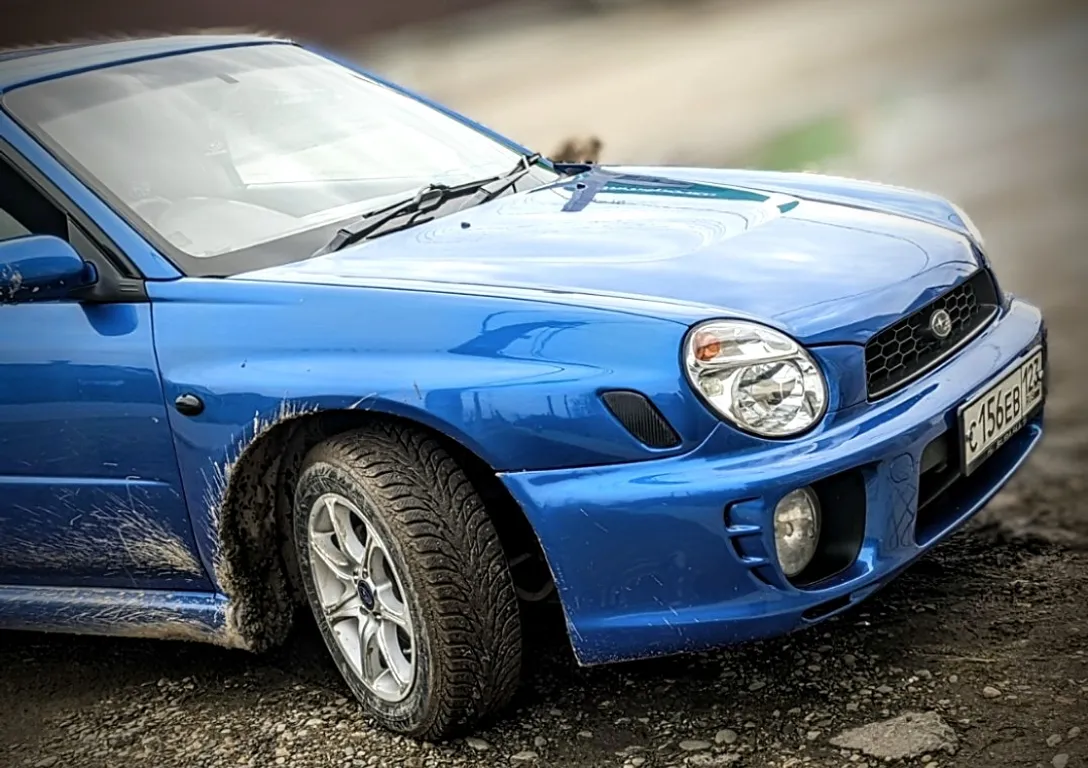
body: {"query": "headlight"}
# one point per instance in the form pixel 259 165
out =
pixel 759 379
pixel 975 232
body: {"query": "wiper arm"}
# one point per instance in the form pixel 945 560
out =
pixel 496 187
pixel 424 201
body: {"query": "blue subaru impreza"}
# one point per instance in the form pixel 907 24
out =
pixel 275 333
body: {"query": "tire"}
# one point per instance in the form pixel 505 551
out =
pixel 463 635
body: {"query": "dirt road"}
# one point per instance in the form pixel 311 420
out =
pixel 982 100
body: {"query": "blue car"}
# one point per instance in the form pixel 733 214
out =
pixel 277 335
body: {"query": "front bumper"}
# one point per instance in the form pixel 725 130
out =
pixel 675 555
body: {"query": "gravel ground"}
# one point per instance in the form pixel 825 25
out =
pixel 980 650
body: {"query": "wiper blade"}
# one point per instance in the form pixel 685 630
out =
pixel 423 201
pixel 426 200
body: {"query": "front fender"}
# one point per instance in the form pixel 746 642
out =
pixel 517 382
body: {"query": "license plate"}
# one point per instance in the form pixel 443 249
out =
pixel 988 420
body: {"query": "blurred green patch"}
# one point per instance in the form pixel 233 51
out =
pixel 806 147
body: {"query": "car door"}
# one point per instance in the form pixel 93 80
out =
pixel 90 491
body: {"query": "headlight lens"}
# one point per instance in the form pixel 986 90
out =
pixel 757 378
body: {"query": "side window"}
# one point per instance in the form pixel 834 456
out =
pixel 24 210
pixel 10 228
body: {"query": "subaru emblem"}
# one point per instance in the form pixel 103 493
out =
pixel 940 324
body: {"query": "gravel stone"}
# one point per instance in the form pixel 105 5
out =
pixel 707 760
pixel 694 745
pixel 726 736
pixel 476 743
pixel 990 692
pixel 909 735
pixel 1060 760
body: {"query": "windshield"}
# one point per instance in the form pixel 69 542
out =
pixel 248 157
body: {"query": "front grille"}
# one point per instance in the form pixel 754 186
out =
pixel 908 349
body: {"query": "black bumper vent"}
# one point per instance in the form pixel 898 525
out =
pixel 906 350
pixel 639 416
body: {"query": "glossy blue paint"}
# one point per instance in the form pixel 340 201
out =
pixel 90 492
pixel 157 615
pixel 40 268
pixel 687 250
pixel 499 327
pixel 643 554
pixel 499 375
pixel 853 193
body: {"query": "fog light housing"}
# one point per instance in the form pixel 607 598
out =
pixel 796 530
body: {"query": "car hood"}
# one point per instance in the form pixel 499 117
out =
pixel 823 264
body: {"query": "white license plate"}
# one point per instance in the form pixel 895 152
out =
pixel 987 421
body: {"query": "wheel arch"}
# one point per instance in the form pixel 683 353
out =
pixel 254 562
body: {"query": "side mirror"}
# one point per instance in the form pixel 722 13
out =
pixel 41 268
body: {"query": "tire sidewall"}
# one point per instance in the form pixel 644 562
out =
pixel 316 480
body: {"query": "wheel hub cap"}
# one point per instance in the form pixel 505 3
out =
pixel 366 595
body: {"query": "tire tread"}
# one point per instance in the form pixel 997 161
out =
pixel 454 553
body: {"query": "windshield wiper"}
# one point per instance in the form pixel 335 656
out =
pixel 498 185
pixel 426 200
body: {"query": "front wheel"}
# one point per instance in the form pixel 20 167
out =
pixel 407 580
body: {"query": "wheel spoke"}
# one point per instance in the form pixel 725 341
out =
pixel 399 668
pixel 345 533
pixel 349 639
pixel 347 607
pixel 392 609
pixel 322 545
pixel 372 555
pixel 371 653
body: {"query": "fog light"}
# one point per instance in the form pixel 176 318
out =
pixel 796 530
